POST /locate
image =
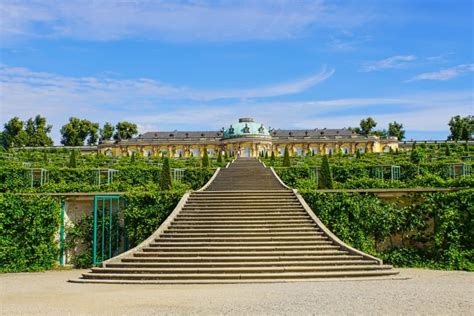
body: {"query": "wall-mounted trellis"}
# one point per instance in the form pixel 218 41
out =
pixel 37 176
pixel 178 174
pixel 458 170
pixel 105 176
pixel 110 236
pixel 391 172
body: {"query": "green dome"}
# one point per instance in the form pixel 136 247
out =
pixel 246 127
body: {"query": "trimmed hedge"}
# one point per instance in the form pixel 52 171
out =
pixel 436 229
pixel 28 225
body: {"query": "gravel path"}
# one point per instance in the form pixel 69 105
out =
pixel 426 292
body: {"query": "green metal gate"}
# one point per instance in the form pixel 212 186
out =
pixel 110 236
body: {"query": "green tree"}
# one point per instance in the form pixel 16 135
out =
pixel 447 150
pixel 38 131
pixel 106 132
pixel 462 128
pixel 125 130
pixel 286 158
pixel 266 155
pixel 77 131
pixel 13 133
pixel 358 153
pixel 367 125
pixel 219 158
pixel 396 130
pixel 45 157
pixel 325 178
pixel 205 158
pixel 165 176
pixel 272 158
pixel 72 159
pixel 415 156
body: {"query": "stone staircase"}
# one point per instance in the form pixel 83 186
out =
pixel 245 226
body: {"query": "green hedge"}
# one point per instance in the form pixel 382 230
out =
pixel 28 226
pixel 370 224
pixel 17 179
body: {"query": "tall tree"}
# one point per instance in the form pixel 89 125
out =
pixel 325 178
pixel 367 125
pixel 272 158
pixel 76 131
pixel 106 132
pixel 165 176
pixel 72 159
pixel 219 158
pixel 13 133
pixel 286 158
pixel 396 130
pixel 462 128
pixel 125 130
pixel 37 131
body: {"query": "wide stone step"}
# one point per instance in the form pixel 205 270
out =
pixel 151 258
pixel 254 276
pixel 240 229
pixel 245 223
pixel 267 233
pixel 285 263
pixel 174 243
pixel 261 253
pixel 240 217
pixel 243 208
pixel 239 239
pixel 230 213
pixel 233 270
pixel 241 248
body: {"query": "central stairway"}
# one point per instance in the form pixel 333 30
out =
pixel 245 226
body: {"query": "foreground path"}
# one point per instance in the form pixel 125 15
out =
pixel 427 292
pixel 246 226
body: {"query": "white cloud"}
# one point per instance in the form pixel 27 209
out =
pixel 444 74
pixel 171 20
pixel 154 105
pixel 394 62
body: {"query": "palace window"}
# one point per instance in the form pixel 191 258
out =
pixel 329 150
pixel 148 152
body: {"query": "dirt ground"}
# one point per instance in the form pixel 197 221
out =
pixel 426 292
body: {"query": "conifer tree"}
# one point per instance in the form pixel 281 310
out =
pixel 325 179
pixel 132 159
pixel 165 176
pixel 448 150
pixel 266 155
pixel 358 153
pixel 272 158
pixel 72 159
pixel 205 158
pixel 286 158
pixel 225 155
pixel 219 158
pixel 45 157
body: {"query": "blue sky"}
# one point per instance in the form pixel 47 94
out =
pixel 200 65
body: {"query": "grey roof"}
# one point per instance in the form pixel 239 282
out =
pixel 274 133
pixel 310 132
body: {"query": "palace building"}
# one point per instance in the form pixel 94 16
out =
pixel 247 138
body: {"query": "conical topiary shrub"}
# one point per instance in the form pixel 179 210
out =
pixel 205 158
pixel 219 158
pixel 286 158
pixel 325 178
pixel 72 159
pixel 165 176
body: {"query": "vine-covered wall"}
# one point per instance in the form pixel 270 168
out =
pixel 28 229
pixel 421 230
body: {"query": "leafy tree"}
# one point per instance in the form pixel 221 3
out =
pixel 125 130
pixel 325 179
pixel 13 134
pixel 165 176
pixel 462 128
pixel 396 130
pixel 37 132
pixel 367 125
pixel 76 131
pixel 106 132
pixel 205 158
pixel 72 159
pixel 381 133
pixel 286 158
